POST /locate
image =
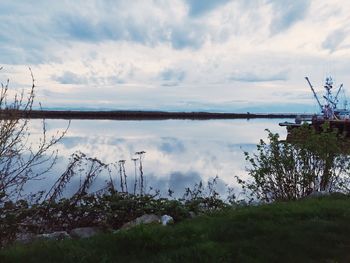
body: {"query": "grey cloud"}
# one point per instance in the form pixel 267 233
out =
pixel 21 54
pixel 191 36
pixel 29 32
pixel 171 145
pixel 146 31
pixel 287 13
pixel 172 77
pixel 334 40
pixel 69 77
pixel 26 33
pixel 70 142
pixel 199 7
pixel 178 181
pixel 219 186
pixel 73 141
pixel 175 181
pixel 253 77
pixel 79 27
pixel 99 28
pixel 171 74
pixel 36 29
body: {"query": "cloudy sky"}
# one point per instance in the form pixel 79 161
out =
pixel 186 55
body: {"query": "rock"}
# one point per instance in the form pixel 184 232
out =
pixel 25 238
pixel 166 220
pixel 145 219
pixel 84 232
pixel 128 225
pixel 59 235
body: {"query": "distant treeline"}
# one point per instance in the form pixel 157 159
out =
pixel 139 115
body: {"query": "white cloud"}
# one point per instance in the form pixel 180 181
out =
pixel 181 54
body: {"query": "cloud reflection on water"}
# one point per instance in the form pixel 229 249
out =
pixel 179 153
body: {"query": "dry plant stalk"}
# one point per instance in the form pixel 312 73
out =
pixel 20 161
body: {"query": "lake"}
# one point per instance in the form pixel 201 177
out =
pixel 179 153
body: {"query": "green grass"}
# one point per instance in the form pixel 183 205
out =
pixel 311 230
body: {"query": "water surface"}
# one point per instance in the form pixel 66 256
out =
pixel 179 153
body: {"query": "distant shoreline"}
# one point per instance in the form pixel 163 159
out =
pixel 141 115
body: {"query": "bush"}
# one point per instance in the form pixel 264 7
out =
pixel 286 170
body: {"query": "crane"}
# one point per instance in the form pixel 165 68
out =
pixel 336 96
pixel 315 95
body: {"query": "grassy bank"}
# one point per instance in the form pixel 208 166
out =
pixel 316 229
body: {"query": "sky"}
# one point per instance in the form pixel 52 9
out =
pixel 187 55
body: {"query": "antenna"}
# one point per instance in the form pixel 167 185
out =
pixel 315 95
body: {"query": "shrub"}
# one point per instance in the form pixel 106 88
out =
pixel 287 170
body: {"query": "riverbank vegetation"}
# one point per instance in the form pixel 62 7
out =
pixel 107 210
pixel 308 230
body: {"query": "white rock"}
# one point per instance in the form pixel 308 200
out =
pixel 166 220
pixel 145 219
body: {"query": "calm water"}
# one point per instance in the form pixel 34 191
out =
pixel 179 153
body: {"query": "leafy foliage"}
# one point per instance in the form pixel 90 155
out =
pixel 286 170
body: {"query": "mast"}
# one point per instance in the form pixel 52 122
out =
pixel 328 86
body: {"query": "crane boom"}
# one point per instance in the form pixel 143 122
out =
pixel 315 95
pixel 330 101
pixel 336 96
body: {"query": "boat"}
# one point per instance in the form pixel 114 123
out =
pixel 330 112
